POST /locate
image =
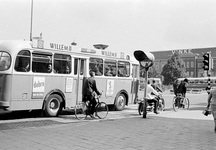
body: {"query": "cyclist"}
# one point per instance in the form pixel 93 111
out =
pixel 182 89
pixel 175 86
pixel 152 97
pixel 89 91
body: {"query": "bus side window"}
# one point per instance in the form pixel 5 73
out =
pixel 22 63
pixel 123 69
pixel 62 64
pixel 41 62
pixel 96 65
pixel 110 68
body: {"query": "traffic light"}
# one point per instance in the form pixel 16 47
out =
pixel 206 61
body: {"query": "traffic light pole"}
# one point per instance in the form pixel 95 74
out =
pixel 209 81
pixel 207 65
pixel 145 93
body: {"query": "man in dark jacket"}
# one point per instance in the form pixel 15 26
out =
pixel 175 86
pixel 182 88
pixel 89 91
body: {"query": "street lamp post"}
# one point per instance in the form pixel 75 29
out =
pixel 146 60
pixel 31 20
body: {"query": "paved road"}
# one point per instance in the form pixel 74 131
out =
pixel 188 130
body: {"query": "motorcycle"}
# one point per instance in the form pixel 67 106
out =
pixel 150 105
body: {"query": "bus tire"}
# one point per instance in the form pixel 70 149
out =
pixel 120 102
pixel 53 105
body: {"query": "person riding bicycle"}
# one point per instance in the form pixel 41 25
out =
pixel 152 97
pixel 175 86
pixel 89 90
pixel 182 88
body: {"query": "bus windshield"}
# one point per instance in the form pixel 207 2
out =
pixel 5 61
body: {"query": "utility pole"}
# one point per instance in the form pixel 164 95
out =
pixel 31 20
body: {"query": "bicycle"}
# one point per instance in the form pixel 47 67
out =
pixel 179 102
pixel 82 109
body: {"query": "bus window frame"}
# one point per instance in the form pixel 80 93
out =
pixel 121 73
pixel 5 61
pixel 44 64
pixel 109 67
pixel 64 62
pixel 96 66
pixel 23 62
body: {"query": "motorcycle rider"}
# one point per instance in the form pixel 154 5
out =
pixel 152 97
pixel 155 86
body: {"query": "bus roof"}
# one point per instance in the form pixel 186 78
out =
pixel 40 44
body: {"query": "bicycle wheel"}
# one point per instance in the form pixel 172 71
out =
pixel 80 111
pixel 175 104
pixel 186 103
pixel 101 110
pixel 140 108
pixel 161 104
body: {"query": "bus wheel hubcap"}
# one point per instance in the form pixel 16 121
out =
pixel 121 101
pixel 54 104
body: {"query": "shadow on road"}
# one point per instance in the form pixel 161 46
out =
pixel 20 115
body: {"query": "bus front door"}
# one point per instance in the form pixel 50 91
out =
pixel 80 74
pixel 135 82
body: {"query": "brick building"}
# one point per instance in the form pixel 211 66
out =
pixel 193 59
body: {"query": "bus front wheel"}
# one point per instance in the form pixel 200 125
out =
pixel 120 102
pixel 53 105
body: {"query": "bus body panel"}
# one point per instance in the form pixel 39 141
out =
pixel 5 90
pixel 24 97
pixel 111 87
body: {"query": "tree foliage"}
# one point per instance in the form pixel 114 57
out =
pixel 175 68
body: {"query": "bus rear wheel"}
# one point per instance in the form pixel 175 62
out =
pixel 53 105
pixel 120 102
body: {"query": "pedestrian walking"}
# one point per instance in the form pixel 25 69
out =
pixel 212 102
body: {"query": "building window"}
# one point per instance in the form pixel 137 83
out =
pixel 156 66
pixel 162 65
pixel 192 64
pixel 191 74
pixel 187 64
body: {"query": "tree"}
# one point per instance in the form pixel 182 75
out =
pixel 175 68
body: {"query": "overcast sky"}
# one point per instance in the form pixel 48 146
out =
pixel 124 25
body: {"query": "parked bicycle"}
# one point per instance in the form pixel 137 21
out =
pixel 180 102
pixel 82 109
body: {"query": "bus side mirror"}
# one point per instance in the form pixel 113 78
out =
pixel 145 59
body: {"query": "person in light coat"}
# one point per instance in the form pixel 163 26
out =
pixel 151 95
